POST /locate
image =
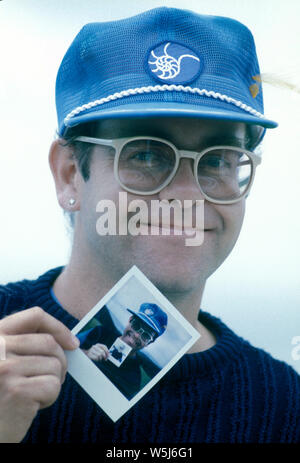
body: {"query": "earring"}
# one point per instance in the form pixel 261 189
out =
pixel 72 201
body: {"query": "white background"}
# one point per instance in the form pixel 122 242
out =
pixel 257 290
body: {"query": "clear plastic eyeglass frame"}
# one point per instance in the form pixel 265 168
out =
pixel 119 143
pixel 141 332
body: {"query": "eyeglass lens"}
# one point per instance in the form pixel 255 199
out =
pixel 137 326
pixel 145 165
pixel 224 174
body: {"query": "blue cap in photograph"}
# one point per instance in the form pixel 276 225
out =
pixel 153 316
pixel 164 62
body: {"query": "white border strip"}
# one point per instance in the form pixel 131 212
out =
pixel 161 88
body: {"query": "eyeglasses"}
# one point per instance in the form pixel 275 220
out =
pixel 146 165
pixel 145 335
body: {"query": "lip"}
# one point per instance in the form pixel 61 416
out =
pixel 131 341
pixel 172 230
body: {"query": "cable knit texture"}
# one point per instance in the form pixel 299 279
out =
pixel 232 392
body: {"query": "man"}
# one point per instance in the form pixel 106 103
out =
pixel 177 88
pixel 142 329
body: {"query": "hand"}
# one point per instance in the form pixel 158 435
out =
pixel 97 352
pixel 33 370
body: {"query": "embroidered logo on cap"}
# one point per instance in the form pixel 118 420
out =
pixel 174 63
pixel 149 312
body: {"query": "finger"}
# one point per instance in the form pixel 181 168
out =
pixel 106 354
pixel 101 356
pixel 96 354
pixel 36 320
pixel 102 351
pixel 43 389
pixel 97 348
pixel 104 348
pixel 36 366
pixel 35 344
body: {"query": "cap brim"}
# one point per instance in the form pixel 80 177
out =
pixel 170 110
pixel 144 319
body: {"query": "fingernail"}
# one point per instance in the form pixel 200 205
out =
pixel 75 341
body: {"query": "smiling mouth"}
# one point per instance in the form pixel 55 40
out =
pixel 171 229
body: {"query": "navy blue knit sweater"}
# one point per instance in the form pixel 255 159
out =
pixel 232 392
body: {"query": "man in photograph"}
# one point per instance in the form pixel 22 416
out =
pixel 142 329
pixel 160 105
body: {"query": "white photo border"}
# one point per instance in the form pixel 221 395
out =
pixel 87 374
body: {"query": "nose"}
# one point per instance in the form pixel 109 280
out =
pixel 184 185
pixel 137 337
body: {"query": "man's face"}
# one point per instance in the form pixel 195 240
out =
pixel 166 260
pixel 135 338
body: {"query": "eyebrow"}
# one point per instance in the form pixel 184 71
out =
pixel 240 142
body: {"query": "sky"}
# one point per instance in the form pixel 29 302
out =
pixel 257 290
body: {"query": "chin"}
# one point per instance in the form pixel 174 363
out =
pixel 174 286
pixel 169 264
pixel 171 276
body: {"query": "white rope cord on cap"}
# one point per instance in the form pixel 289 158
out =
pixel 161 88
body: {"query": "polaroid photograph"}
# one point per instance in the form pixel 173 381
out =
pixel 128 342
pixel 119 352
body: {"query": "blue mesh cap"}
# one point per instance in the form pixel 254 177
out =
pixel 153 316
pixel 164 62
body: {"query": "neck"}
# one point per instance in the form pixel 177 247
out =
pixel 81 284
pixel 188 305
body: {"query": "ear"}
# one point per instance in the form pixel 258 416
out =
pixel 66 175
